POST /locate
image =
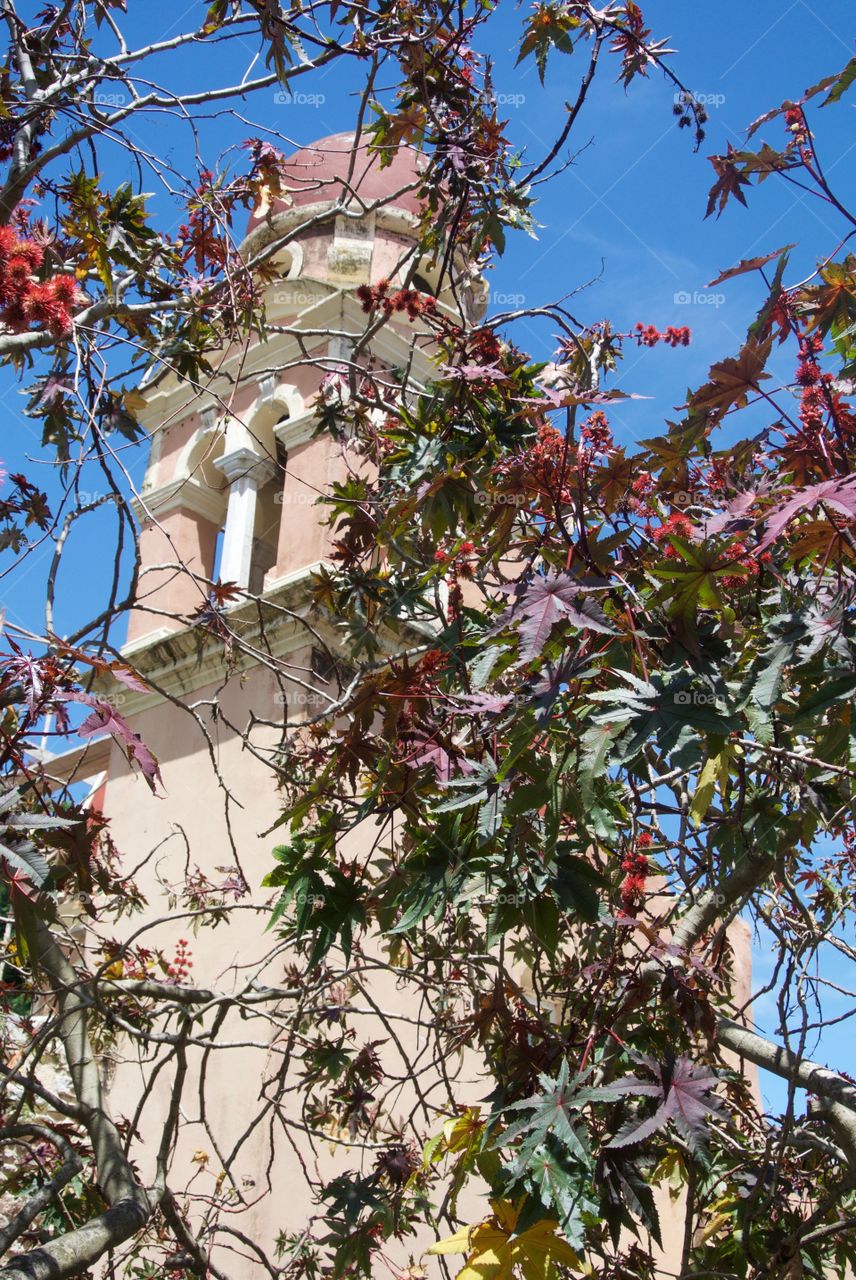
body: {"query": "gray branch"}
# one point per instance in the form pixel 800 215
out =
pixel 130 1205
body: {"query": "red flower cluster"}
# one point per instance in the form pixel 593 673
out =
pixel 24 300
pixel 814 401
pixel 458 563
pixel 483 347
pixel 548 467
pixel 635 867
pixel 749 562
pixel 677 525
pixel 595 433
pixel 795 121
pixel 648 335
pixel 182 964
pixel 378 297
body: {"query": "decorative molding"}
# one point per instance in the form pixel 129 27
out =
pixel 244 463
pixel 287 222
pixel 181 662
pixel 183 494
pixel 146 641
pixel 338 310
pixel 90 760
pixel 295 431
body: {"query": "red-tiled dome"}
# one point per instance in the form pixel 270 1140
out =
pixel 318 173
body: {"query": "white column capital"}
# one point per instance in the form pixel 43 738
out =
pixel 243 464
pixel 245 470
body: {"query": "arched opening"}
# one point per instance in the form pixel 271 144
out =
pixel 199 468
pixel 198 462
pixel 266 529
pixel 423 284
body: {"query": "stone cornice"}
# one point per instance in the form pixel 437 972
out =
pixel 294 431
pixel 181 662
pixel 184 494
pixel 242 463
pixel 81 763
pixel 339 310
pixel 282 620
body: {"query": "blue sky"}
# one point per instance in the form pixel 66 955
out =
pixel 629 211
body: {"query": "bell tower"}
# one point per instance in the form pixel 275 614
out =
pixel 235 469
pixel 229 497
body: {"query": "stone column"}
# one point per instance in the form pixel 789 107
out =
pixel 246 472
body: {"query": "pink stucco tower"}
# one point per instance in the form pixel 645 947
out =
pixel 235 467
pixel 235 470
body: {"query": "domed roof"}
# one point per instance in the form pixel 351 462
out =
pixel 319 172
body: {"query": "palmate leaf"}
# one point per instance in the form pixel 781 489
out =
pixel 25 857
pixel 564 1187
pixel 834 86
pixel 495 1251
pixel 543 602
pixel 550 1113
pixel 349 1195
pixel 832 305
pixel 840 83
pixel 730 178
pixel 328 906
pixel 765 690
pixel 692 582
pixel 732 381
pixel 685 1093
pixel 574 884
pixel 549 28
pixel 635 1194
pixel 838 494
pixel 715 772
pixel 19 853
pixel 749 264
pixel 665 709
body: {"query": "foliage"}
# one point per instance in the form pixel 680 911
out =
pixel 591 704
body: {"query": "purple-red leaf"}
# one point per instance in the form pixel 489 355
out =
pixel 427 751
pixel 129 679
pixel 749 264
pixel 106 719
pixel 686 1093
pixel 734 515
pixel 543 602
pixel 838 494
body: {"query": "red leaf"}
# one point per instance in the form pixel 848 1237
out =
pixel 749 264
pixel 686 1099
pixel 545 601
pixel 106 719
pixel 129 679
pixel 840 495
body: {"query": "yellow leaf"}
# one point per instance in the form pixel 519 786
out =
pixel 133 401
pixel 715 772
pixel 716 1223
pixel 460 1131
pixel 494 1252
pixel 672 1170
